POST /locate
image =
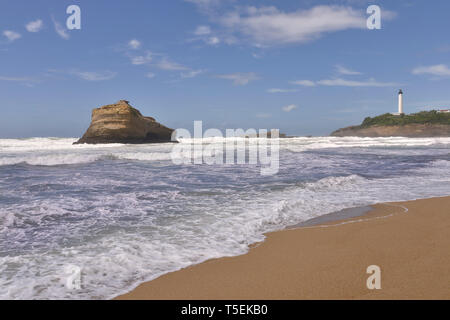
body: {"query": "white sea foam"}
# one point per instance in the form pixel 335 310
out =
pixel 124 220
pixel 60 151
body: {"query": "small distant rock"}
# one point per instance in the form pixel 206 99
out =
pixel 121 123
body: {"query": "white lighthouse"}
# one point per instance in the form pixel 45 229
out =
pixel 400 102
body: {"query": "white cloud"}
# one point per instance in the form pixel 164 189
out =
pixel 94 76
pixel 268 26
pixel 212 40
pixel 165 64
pixel 350 83
pixel 139 60
pixel 3 78
pixel 289 108
pixel 305 83
pixel 27 81
pixel 202 30
pixel 159 61
pixel 277 90
pixel 11 35
pixel 342 70
pixel 436 70
pixel 239 78
pixel 345 83
pixel 204 33
pixel 191 73
pixel 60 30
pixel 134 44
pixel 209 40
pixel 34 26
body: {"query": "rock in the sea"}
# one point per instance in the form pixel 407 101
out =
pixel 121 123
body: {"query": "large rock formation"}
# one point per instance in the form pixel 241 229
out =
pixel 121 123
pixel 408 130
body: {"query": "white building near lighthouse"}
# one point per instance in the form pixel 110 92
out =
pixel 400 104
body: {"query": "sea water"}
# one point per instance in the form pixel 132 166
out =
pixel 123 214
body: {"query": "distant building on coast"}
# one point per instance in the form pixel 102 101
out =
pixel 438 109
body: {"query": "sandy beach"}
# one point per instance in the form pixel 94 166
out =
pixel 409 241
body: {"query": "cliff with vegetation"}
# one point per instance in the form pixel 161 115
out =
pixel 421 124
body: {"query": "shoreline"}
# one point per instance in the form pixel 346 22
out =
pixel 344 214
pixel 326 258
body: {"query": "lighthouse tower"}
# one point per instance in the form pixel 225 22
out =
pixel 400 102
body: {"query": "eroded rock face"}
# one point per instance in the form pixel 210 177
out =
pixel 121 123
pixel 409 130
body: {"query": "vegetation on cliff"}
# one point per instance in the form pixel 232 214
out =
pixel 424 117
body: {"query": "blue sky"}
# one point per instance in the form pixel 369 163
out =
pixel 305 67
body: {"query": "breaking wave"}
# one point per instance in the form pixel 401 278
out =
pixel 125 214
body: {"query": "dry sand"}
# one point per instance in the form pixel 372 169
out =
pixel 329 261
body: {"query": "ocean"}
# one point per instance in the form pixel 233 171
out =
pixel 113 216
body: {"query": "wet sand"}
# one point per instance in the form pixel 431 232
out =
pixel 409 241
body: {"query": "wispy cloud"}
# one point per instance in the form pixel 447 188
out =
pixel 134 44
pixel 277 90
pixel 156 60
pixel 202 30
pixel 166 64
pixel 84 75
pixel 345 71
pixel 185 72
pixel 60 30
pixel 239 78
pixel 351 83
pixel 212 40
pixel 12 35
pixel 142 59
pixel 289 108
pixel 345 83
pixel 437 70
pixel 34 26
pixel 94 76
pixel 204 33
pixel 305 83
pixel 28 81
pixel 19 79
pixel 191 73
